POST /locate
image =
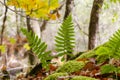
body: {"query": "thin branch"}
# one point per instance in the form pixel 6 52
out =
pixel 32 10
pixel 17 30
pixel 77 24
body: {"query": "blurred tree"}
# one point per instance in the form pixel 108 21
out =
pixel 68 8
pixel 94 22
pixel 43 27
pixel 3 24
pixel 17 25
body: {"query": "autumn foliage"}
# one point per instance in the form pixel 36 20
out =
pixel 37 8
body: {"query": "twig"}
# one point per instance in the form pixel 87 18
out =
pixel 80 28
pixel 30 11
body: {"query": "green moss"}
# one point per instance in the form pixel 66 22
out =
pixel 55 76
pixel 71 66
pixel 88 54
pixel 82 78
pixel 91 53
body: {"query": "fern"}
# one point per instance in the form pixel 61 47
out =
pixel 111 49
pixel 38 47
pixel 65 40
pixel 108 68
pixel 114 44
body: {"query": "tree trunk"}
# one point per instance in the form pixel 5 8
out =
pixel 30 53
pixel 17 25
pixel 94 22
pixel 28 23
pixel 3 25
pixel 68 7
pixel 43 27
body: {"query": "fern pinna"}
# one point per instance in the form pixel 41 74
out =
pixel 114 44
pixel 65 40
pixel 111 49
pixel 38 47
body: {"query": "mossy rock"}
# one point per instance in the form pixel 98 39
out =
pixel 82 78
pixel 71 66
pixel 88 54
pixel 91 53
pixel 55 76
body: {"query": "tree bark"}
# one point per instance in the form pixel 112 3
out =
pixel 17 25
pixel 68 8
pixel 43 27
pixel 28 23
pixel 30 53
pixel 94 22
pixel 3 25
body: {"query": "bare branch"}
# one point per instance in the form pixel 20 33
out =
pixel 17 12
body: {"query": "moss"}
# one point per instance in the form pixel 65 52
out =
pixel 71 66
pixel 82 78
pixel 92 52
pixel 55 76
pixel 88 54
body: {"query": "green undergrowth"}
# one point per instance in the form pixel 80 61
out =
pixel 55 76
pixel 82 78
pixel 71 66
pixel 108 68
pixel 88 54
pixel 91 53
pixel 65 69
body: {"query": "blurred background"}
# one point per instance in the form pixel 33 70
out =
pixel 14 45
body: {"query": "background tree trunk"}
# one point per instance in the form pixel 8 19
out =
pixel 94 22
pixel 28 23
pixel 68 8
pixel 29 52
pixel 43 27
pixel 3 27
pixel 17 24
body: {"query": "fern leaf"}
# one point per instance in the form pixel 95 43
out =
pixel 112 48
pixel 65 40
pixel 38 47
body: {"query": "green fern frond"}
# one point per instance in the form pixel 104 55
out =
pixel 112 47
pixel 38 47
pixel 114 44
pixel 65 40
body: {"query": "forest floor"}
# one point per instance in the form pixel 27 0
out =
pixel 91 69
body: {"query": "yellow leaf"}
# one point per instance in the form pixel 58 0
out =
pixel 53 17
pixel 2 48
pixel 36 8
pixel 12 40
pixel 26 46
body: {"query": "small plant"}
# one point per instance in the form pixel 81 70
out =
pixel 65 41
pixel 111 49
pixel 38 47
pixel 108 68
